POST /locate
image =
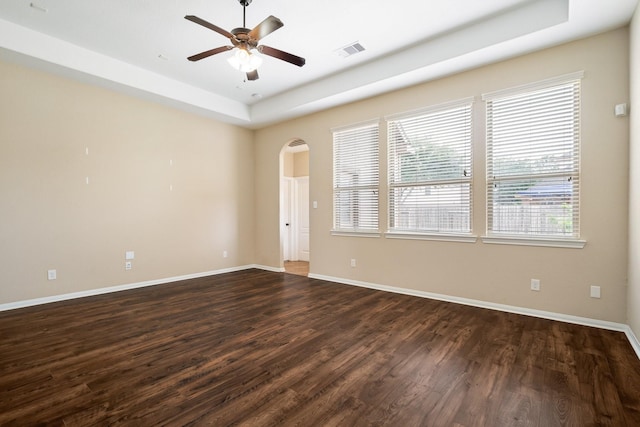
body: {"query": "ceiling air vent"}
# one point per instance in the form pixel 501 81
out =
pixel 350 49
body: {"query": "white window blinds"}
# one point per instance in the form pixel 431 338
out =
pixel 356 178
pixel 533 160
pixel 430 170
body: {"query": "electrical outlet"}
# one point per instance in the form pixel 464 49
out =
pixel 52 275
pixel 353 262
pixel 595 292
pixel 535 284
pixel 128 265
pixel 224 254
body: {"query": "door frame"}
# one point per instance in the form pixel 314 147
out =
pixel 294 145
pixel 296 203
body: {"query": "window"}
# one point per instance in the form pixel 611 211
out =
pixel 533 160
pixel 356 178
pixel 430 170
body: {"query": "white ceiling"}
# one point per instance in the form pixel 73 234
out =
pixel 140 46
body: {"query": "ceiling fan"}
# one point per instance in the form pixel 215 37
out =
pixel 246 40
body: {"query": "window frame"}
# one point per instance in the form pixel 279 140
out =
pixel 533 238
pixel 374 165
pixel 424 120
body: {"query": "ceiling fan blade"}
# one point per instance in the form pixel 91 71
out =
pixel 276 53
pixel 209 53
pixel 210 26
pixel 265 28
pixel 252 75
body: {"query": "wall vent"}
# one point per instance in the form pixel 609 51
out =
pixel 296 146
pixel 296 143
pixel 350 49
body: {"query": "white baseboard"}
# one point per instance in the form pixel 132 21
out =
pixel 118 288
pixel 585 321
pixel 633 340
pixel 265 267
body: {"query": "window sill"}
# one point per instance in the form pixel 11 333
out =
pixel 534 241
pixel 355 233
pixel 443 237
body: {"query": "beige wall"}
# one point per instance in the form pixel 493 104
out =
pixel 301 164
pixel 494 273
pixel 287 164
pixel 633 306
pixel 52 219
pixel 295 164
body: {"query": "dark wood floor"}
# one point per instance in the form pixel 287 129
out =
pixel 259 348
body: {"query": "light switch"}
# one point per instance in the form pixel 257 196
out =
pixel 129 255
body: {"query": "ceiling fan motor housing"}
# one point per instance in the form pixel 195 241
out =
pixel 242 39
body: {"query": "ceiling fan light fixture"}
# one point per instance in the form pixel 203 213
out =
pixel 246 41
pixel 245 61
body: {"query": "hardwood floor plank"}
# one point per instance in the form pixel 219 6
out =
pixel 519 409
pixel 486 389
pixel 260 348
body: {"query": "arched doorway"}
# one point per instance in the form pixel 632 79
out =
pixel 294 207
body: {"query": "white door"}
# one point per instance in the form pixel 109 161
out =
pixel 286 192
pixel 302 220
